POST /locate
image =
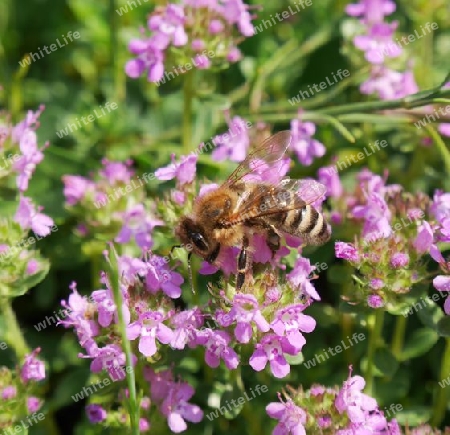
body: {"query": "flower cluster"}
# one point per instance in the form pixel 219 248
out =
pixel 398 230
pixel 111 204
pixel 16 389
pixel 378 45
pixel 207 32
pixel 330 411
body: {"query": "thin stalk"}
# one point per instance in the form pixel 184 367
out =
pixel 13 334
pixel 440 402
pixel 126 346
pixel 399 336
pixel 188 95
pixel 440 145
pixel 375 323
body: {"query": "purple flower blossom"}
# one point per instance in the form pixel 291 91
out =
pixel 261 171
pixel 303 144
pixel 28 218
pixel 352 401
pixel 31 156
pixel 217 348
pixel 184 171
pixel 149 58
pixel 160 277
pixel 375 301
pixel 346 251
pixel 236 12
pixel 160 382
pixel 424 239
pixel 232 145
pixel 372 11
pixel 9 392
pixel 144 425
pixel 177 409
pixel 389 84
pixel 291 418
pixel 114 172
pixel 110 358
pixel 77 315
pixel 149 327
pixel 95 413
pixel 442 283
pixel 298 277
pixel 377 217
pixel 138 224
pixel 168 27
pixel 270 350
pixel 75 188
pixel 107 310
pixel 289 321
pixel 33 369
pixel 399 260
pixel 329 177
pixel 186 324
pixel 246 310
pixel 378 43
pixel 33 404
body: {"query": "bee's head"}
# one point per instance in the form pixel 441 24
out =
pixel 190 233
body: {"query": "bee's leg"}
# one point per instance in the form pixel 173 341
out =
pixel 242 264
pixel 273 241
pixel 211 258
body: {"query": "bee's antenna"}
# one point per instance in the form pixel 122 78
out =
pixel 190 272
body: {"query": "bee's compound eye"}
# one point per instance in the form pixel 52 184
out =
pixel 199 241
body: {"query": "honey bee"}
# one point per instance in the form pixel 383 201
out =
pixel 245 205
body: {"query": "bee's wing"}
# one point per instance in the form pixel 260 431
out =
pixel 286 196
pixel 262 158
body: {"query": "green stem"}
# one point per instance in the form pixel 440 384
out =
pixel 188 94
pixel 440 145
pixel 440 403
pixel 130 374
pixel 375 324
pixel 399 336
pixel 13 334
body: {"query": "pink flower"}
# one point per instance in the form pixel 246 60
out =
pixel 177 409
pixel 184 171
pixel 33 369
pixel 149 327
pixel 424 238
pixel 217 348
pixel 139 224
pixel 149 57
pixel 442 283
pixel 27 217
pixel 160 277
pixel 270 350
pixel 298 277
pixel 289 321
pixel 291 418
pixel 95 413
pixel 75 188
pixel 244 312
pixel 234 144
pixel 31 156
pixel 353 401
pixel 346 251
pixel 329 177
pixel 168 27
pixel 303 144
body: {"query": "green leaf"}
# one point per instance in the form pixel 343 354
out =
pixel 443 326
pixel 385 362
pixel 414 416
pixel 430 314
pixel 294 360
pixel 420 342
